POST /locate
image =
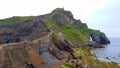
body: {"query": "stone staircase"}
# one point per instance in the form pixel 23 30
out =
pixel 46 55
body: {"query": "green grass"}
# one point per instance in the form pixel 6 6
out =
pixel 50 23
pixel 66 66
pixel 15 19
pixel 75 36
pixel 78 51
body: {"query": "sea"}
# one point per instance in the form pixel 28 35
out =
pixel 111 52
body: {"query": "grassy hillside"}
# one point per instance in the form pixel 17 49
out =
pixel 76 36
pixel 15 19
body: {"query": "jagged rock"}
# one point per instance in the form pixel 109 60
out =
pixel 36 28
pixel 16 32
pixel 62 42
pixel 32 53
pixel 99 38
pixel 78 24
pixel 60 46
pixel 67 17
pixel 94 44
pixel 62 17
pixel 55 51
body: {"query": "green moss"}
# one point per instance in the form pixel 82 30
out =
pixel 76 36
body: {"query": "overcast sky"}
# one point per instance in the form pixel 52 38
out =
pixel 98 14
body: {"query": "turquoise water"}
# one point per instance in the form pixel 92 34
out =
pixel 112 51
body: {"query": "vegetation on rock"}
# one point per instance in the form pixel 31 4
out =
pixel 15 19
pixel 84 59
pixel 56 35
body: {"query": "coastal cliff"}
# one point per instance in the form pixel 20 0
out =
pixel 54 40
pixel 58 20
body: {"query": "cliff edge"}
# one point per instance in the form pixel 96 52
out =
pixel 53 40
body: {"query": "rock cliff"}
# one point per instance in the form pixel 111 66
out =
pixel 47 41
pixel 100 37
pixel 17 32
pixel 39 26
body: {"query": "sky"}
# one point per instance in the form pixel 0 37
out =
pixel 98 14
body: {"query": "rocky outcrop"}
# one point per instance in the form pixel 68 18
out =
pixel 16 32
pixel 33 44
pixel 60 46
pixel 94 44
pixel 67 17
pixel 100 38
pixel 27 55
pixel 62 42
pixel 36 28
pixel 62 17
pixel 78 24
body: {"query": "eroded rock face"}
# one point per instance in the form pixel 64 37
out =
pixel 100 38
pixel 36 28
pixel 62 17
pixel 62 42
pixel 16 32
pixel 60 46
pixel 94 44
pixel 78 24
pixel 33 53
pixel 67 17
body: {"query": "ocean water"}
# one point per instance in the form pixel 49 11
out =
pixel 112 51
